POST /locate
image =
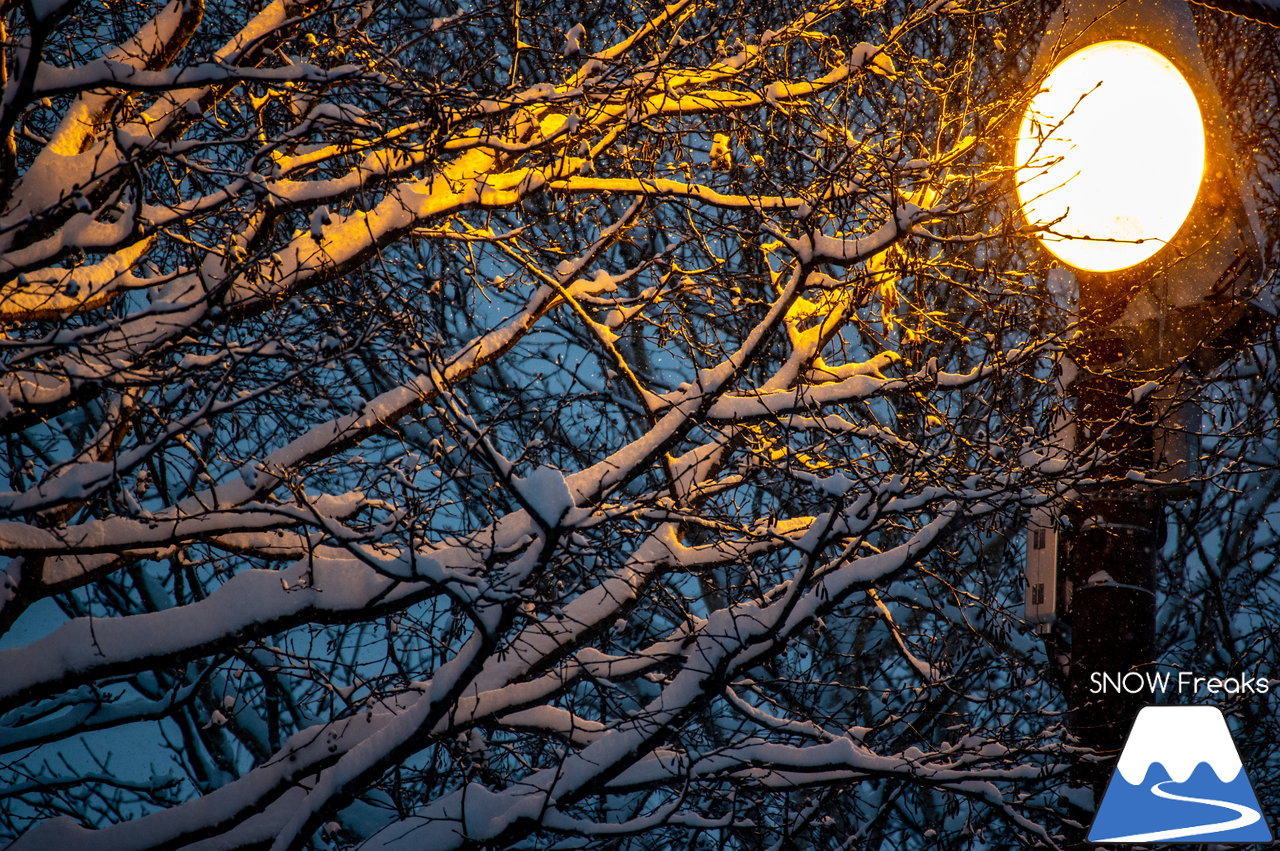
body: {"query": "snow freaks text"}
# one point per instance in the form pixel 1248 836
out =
pixel 1180 682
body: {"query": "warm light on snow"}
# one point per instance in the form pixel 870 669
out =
pixel 1110 156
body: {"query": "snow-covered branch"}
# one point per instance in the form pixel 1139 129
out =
pixel 551 424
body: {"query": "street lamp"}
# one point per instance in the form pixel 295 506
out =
pixel 1111 155
pixel 1124 169
pixel 1124 173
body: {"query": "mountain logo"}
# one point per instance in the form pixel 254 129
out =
pixel 1179 779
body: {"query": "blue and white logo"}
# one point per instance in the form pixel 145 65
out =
pixel 1180 779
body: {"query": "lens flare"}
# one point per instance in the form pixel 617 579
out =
pixel 1110 156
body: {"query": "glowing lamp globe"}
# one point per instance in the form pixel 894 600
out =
pixel 1110 156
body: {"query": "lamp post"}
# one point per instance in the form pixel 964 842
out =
pixel 1124 169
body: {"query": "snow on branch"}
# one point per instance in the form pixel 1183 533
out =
pixel 557 427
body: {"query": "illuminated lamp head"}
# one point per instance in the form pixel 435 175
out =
pixel 1110 156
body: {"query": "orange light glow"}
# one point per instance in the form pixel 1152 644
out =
pixel 1110 156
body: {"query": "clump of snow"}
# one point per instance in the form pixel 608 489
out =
pixel 721 152
pixel 546 493
pixel 882 64
pixel 319 218
pixel 600 282
pixel 837 484
pixel 1142 391
pixel 573 40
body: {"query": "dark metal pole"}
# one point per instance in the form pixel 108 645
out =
pixel 1110 549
